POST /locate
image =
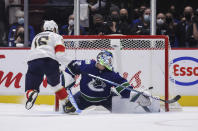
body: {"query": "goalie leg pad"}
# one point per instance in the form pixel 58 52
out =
pixel 125 106
pixel 141 99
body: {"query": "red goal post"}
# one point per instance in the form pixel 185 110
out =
pixel 138 47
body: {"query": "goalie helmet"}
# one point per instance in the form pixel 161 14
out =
pixel 50 25
pixel 105 58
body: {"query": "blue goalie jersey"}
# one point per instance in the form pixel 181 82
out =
pixel 92 87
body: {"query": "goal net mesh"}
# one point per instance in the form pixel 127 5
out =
pixel 107 44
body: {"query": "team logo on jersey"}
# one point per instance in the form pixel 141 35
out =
pixel 96 85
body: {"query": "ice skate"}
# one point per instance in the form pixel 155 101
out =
pixel 31 98
pixel 68 107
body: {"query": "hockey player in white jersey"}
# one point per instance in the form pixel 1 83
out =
pixel 47 55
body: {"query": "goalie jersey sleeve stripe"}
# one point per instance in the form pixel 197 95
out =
pixel 122 81
pixel 123 92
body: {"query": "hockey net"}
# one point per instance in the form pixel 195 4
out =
pixel 142 60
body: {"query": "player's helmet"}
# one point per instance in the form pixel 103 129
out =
pixel 50 25
pixel 105 58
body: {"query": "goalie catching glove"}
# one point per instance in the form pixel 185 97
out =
pixel 140 98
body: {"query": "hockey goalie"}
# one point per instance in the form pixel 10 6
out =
pixel 96 92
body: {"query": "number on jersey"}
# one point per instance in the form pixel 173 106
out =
pixel 41 41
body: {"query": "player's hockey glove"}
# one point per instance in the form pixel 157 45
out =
pixel 68 107
pixel 141 99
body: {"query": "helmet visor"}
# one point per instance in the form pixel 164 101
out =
pixel 106 61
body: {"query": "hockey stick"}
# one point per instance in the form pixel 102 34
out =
pixel 73 101
pixel 139 92
pixel 70 95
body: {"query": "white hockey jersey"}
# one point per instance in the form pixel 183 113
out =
pixel 48 44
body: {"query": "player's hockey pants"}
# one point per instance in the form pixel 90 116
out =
pixel 37 69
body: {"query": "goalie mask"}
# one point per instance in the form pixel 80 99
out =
pixel 50 25
pixel 105 58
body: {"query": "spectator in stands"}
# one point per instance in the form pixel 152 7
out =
pixel 113 21
pixel 165 26
pixel 171 24
pixel 184 30
pixel 161 24
pixel 69 28
pixel 99 28
pixel 13 29
pixel 139 14
pixel 143 26
pixel 174 13
pixel 19 37
pixel 195 25
pixel 124 25
pixel 170 18
pixel 135 15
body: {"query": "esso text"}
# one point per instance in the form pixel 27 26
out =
pixel 185 71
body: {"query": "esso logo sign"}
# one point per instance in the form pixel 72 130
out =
pixel 184 71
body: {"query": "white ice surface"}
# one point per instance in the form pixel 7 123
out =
pixel 14 117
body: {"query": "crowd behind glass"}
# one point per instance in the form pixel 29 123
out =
pixel 96 19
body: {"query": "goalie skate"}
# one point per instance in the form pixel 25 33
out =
pixel 69 108
pixel 31 98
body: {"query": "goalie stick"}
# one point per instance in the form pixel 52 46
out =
pixel 73 101
pixel 175 99
pixel 70 95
